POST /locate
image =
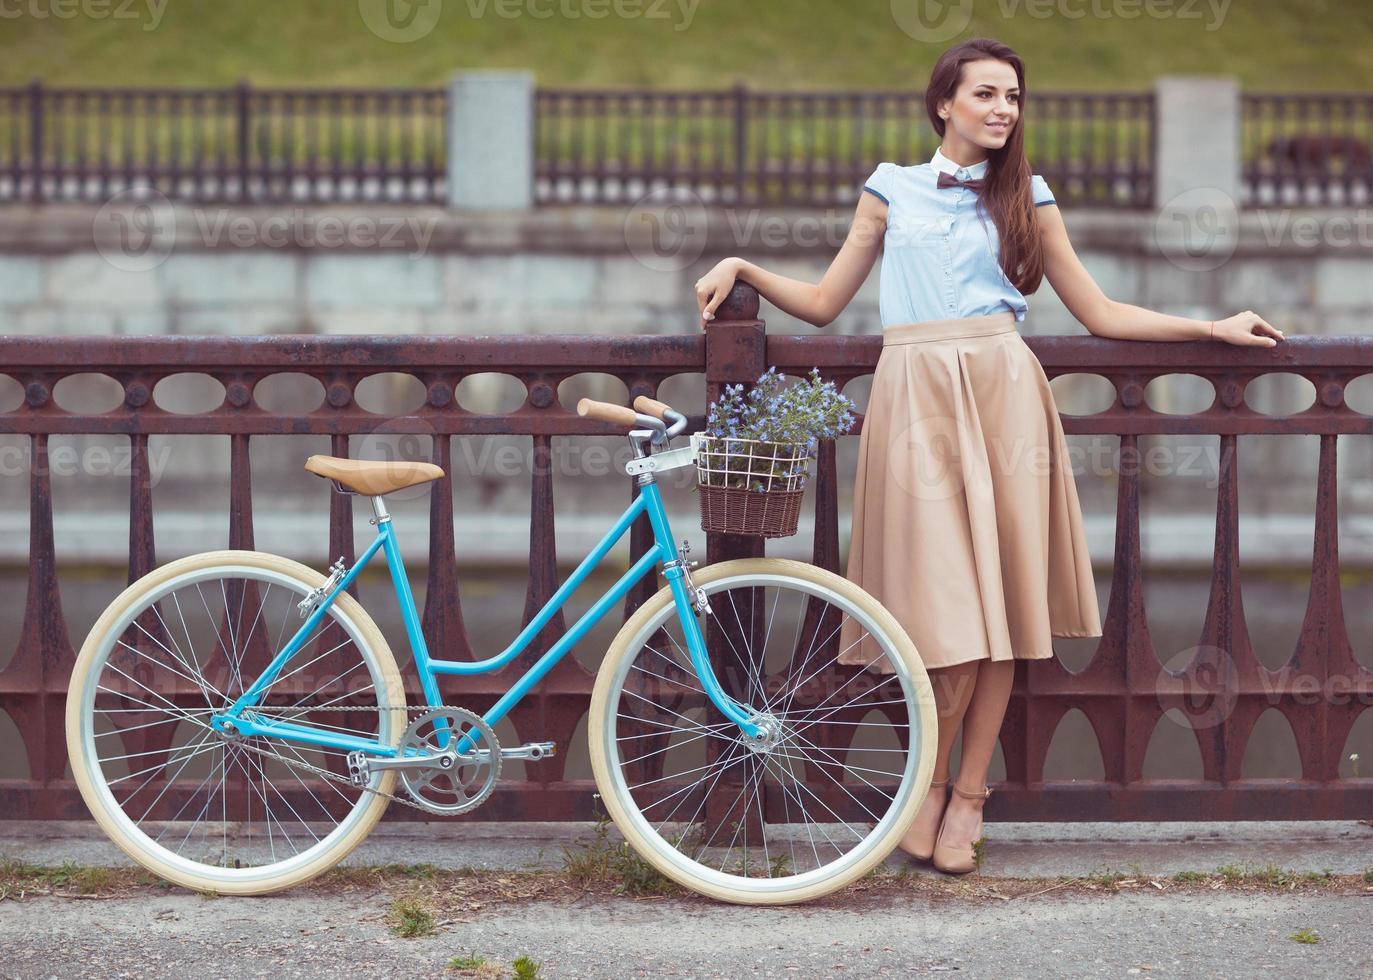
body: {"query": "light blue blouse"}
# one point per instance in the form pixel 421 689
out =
pixel 939 257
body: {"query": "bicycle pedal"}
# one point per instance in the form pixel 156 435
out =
pixel 533 751
pixel 358 771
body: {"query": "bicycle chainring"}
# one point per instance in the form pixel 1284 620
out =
pixel 466 782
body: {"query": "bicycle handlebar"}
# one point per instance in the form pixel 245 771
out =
pixel 652 407
pixel 662 421
pixel 606 412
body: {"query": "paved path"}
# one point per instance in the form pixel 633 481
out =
pixel 344 933
pixel 1121 935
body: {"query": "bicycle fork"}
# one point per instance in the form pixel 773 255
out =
pixel 689 600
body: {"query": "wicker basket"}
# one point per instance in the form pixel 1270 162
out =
pixel 750 486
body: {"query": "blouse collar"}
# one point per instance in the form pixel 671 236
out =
pixel 942 163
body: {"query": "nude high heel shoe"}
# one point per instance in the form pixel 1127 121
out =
pixel 953 860
pixel 923 854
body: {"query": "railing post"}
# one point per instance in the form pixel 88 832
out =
pixel 740 140
pixel 242 94
pixel 736 353
pixel 36 139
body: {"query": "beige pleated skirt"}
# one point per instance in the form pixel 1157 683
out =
pixel 966 522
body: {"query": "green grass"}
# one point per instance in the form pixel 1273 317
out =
pixel 469 962
pixel 1268 44
pixel 1307 936
pixel 422 870
pixel 411 918
pixel 1268 875
pixel 473 965
pixel 601 862
pixel 15 875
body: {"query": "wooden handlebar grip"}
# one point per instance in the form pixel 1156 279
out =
pixel 650 406
pixel 606 412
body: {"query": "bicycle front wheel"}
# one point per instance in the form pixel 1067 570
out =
pixel 235 815
pixel 845 768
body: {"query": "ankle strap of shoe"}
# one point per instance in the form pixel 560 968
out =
pixel 986 792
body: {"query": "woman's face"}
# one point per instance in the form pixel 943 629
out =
pixel 984 109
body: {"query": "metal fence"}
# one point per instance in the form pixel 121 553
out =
pixel 737 145
pixel 1307 149
pixel 1124 691
pixel 601 147
pixel 242 144
pixel 741 146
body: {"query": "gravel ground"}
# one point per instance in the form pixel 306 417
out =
pixel 175 934
pixel 1014 918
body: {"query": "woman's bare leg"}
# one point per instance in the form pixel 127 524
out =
pixel 981 726
pixel 953 690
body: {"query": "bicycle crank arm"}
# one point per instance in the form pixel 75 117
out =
pixel 533 751
pixel 439 760
pixel 361 766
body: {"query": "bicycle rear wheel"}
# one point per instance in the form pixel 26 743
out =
pixel 832 791
pixel 245 815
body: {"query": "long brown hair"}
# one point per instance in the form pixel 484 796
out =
pixel 1006 194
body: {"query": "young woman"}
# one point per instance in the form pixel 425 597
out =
pixel 966 522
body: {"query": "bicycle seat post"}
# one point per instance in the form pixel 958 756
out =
pixel 379 509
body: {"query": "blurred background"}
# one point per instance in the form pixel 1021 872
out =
pixel 430 168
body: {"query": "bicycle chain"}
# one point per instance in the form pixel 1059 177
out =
pixel 417 708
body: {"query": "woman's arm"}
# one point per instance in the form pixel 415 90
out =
pixel 816 303
pixel 1105 317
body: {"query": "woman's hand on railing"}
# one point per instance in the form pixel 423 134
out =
pixel 1247 329
pixel 714 287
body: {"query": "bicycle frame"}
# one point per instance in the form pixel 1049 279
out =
pixel 663 550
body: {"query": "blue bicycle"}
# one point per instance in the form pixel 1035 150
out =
pixel 236 722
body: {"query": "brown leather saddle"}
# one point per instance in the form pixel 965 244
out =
pixel 373 478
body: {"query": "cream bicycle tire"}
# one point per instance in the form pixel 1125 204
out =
pixel 665 858
pixel 86 766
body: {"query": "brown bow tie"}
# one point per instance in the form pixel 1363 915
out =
pixel 949 180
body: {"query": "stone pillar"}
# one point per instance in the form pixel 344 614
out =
pixel 1197 136
pixel 491 139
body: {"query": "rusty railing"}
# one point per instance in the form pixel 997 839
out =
pixel 1124 690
